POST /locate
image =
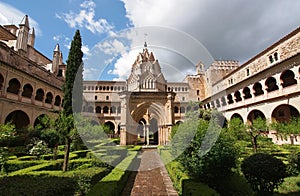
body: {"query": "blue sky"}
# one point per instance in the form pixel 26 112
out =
pixel 180 33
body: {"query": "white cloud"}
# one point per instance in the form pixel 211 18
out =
pixel 11 15
pixel 123 65
pixel 231 29
pixel 86 18
pixel 112 47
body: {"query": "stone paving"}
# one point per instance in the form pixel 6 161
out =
pixel 151 179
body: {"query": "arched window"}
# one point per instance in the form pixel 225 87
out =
pixel 182 110
pixel 258 89
pixel 113 110
pixel 39 95
pixel 105 110
pixel 237 96
pixel 247 93
pixel 13 86
pixel 223 100
pixel 176 109
pixel 98 109
pixel 49 98
pixel 27 91
pixel 57 100
pixel 288 78
pixel 271 84
pixel 218 103
pixel 1 81
pixel 229 99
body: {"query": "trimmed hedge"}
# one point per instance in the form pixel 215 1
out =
pixel 14 165
pixel 76 182
pixel 114 182
pixel 191 187
pixel 28 185
pixel 58 156
pixel 47 165
pixel 177 174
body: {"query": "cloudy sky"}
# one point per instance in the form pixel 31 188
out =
pixel 181 33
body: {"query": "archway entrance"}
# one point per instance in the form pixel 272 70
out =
pixel 254 114
pixel 18 118
pixel 153 132
pixel 284 113
pixel 141 131
pixel 110 127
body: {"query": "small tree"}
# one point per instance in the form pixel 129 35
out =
pixel 237 129
pixel 210 155
pixel 264 172
pixel 258 126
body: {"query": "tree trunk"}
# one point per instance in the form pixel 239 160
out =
pixel 55 151
pixel 67 152
pixel 254 143
pixel 292 139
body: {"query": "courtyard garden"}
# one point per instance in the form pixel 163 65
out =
pixel 203 158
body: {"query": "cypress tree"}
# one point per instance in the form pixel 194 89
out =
pixel 73 96
pixel 72 93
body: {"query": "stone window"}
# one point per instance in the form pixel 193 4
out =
pixel 247 72
pixel 273 58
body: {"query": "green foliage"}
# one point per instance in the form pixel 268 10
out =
pixel 7 133
pixel 290 186
pixel 210 155
pixel 73 97
pixel 293 167
pixel 238 129
pixel 191 187
pixel 44 165
pixel 264 172
pixel 114 182
pixel 255 129
pixel 286 129
pixel 177 174
pixel 14 165
pixel 36 185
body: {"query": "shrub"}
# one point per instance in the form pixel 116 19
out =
pixel 205 160
pixel 197 188
pixel 293 166
pixel 28 185
pixel 14 165
pixel 264 172
pixel 177 174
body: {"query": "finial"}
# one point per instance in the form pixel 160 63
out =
pixel 145 37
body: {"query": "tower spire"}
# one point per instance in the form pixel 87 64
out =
pixel 145 38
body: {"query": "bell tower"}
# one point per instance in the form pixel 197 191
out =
pixel 146 75
pixel 23 34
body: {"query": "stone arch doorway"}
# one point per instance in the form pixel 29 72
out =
pixel 38 121
pixel 236 115
pixel 284 113
pixel 111 127
pixel 18 118
pixel 141 131
pixel 153 130
pixel 254 114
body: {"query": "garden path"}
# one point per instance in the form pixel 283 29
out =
pixel 151 178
